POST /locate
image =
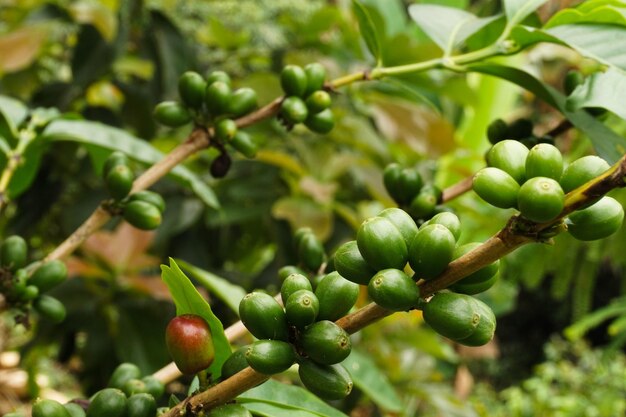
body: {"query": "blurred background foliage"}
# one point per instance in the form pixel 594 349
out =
pixel 111 61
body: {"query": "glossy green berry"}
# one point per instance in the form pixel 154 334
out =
pixel 49 408
pixel 30 293
pixel 496 187
pixel 134 386
pixel 217 97
pixel 431 251
pixel 142 215
pixel 325 342
pixel 294 110
pixel 225 130
pixel 402 184
pixel 153 386
pixel 311 252
pixel 263 316
pixel 189 342
pixel 597 221
pixel 123 373
pixel 149 197
pixel 451 315
pixel 287 270
pixel 330 382
pixel 109 402
pixel 315 76
pixel 270 357
pixel 351 265
pixel 171 114
pixel 116 158
pixel 50 308
pixel 402 221
pixel 394 290
pixel 318 100
pixel 141 405
pixel 544 160
pixel 391 180
pixel 485 330
pixel 119 181
pixel 497 131
pixel 483 274
pixel 48 275
pixel 75 410
pixel 424 203
pixel 293 80
pixel 322 122
pixel 582 170
pixel 230 410
pixel 336 296
pixel 13 252
pixel 509 156
pixel 302 308
pixel 449 220
pixel 294 282
pixel 540 199
pixel 191 86
pixel 244 144
pixel 242 102
pixel 235 363
pixel 216 76
pixel 473 288
pixel 381 244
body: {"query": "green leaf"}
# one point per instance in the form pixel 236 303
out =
pixel 372 381
pixel 590 12
pixel 276 410
pixel 608 144
pixel 447 26
pixel 229 293
pixel 601 89
pixel 288 397
pixel 25 173
pixel 368 30
pixel 189 301
pixel 604 43
pixel 517 10
pixel 392 13
pixel 591 320
pixel 113 139
pixel 12 113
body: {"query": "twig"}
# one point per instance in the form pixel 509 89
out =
pixel 457 189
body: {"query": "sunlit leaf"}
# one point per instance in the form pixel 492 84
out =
pixel 368 30
pixel 20 48
pixel 517 10
pixel 602 89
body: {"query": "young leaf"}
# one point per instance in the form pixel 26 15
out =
pixel 601 89
pixel 600 12
pixel 12 113
pixel 368 30
pixel 189 301
pixel 518 10
pixel 229 293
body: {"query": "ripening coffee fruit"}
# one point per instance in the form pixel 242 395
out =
pixel 191 86
pixel 402 221
pixel 294 282
pixel 381 244
pixel 294 110
pixel 351 265
pixel 49 408
pixel 270 356
pixel 242 101
pixel 431 251
pixel 50 308
pixel 189 342
pixel 485 330
pixel 496 187
pixel 597 221
pixel 302 308
pixel 225 130
pixel 244 144
pixel 142 215
pixel 544 160
pixel 13 252
pixel 315 77
pixel 423 204
pixel 216 76
pixel 141 405
pixel 509 156
pixel 325 342
pixel 449 220
pixel 582 170
pixel 485 276
pixel 540 199
pixel 263 316
pixel 48 275
pixel 293 80
pixel 109 402
pixel 119 181
pixel 172 114
pixel 235 363
pixel 149 197
pixel 122 374
pixel 322 122
pixel 217 96
pixel 336 296
pixel 394 290
pixel 318 100
pixel 330 382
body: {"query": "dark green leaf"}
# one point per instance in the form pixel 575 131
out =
pixel 12 113
pixel 189 301
pixel 288 397
pixel 229 293
pixel 92 56
pixel 608 144
pixel 372 381
pixel 392 13
pixel 368 30
pixel 602 89
pixel 116 139
pixel 518 10
pixel 25 173
pixel 277 410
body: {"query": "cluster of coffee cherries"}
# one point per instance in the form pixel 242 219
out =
pixel 143 209
pixel 535 182
pixel 24 287
pixel 407 188
pixel 305 100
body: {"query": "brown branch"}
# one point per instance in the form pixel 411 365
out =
pixel 457 189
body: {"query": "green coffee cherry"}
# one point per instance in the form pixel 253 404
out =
pixel 230 410
pixel 142 215
pixel 242 102
pixel 311 252
pixel 582 170
pixel 402 184
pixel 325 342
pixel 30 293
pixel 425 202
pixel 473 288
pixel 116 158
pixel 381 244
pixel 270 357
pixel 119 181
pixel 483 274
pixel 302 308
pixel 597 221
pixel 263 316
pixel 49 408
pixel 235 363
pixel 243 143
pixel 216 76
pixel 141 405
pixel 544 160
pixel 497 131
pixel 294 110
pixel 402 221
pixel 452 315
pixel 318 100
pixel 350 264
pixel 153 386
pixel 75 410
pixel 449 220
pixel 315 75
pixel 394 290
pixel 431 251
pixel 191 86
pixel 48 275
pixel 336 296
pixel 291 284
pixel 510 157
pixel 322 122
pixel 293 80
pixel 391 180
pixel 109 402
pixel 171 114
pixel 486 327
pixel 287 270
pixel 496 187
pixel 149 197
pixel 330 382
pixel 124 373
pixel 540 199
pixel 13 252
pixel 217 96
pixel 134 386
pixel 225 130
pixel 189 342
pixel 50 308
